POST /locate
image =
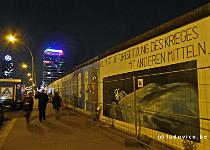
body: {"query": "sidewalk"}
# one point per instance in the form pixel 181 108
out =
pixel 70 132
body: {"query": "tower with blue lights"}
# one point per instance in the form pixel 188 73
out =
pixel 53 65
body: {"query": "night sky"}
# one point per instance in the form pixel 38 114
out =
pixel 82 28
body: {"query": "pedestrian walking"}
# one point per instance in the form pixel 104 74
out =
pixel 28 103
pixel 57 103
pixel 42 104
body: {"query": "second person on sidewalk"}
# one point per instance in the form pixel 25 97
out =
pixel 42 104
pixel 57 102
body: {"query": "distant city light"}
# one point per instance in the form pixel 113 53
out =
pixel 8 58
pixel 7 66
pixel 46 62
pixel 53 50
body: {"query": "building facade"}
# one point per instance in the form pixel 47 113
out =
pixel 53 65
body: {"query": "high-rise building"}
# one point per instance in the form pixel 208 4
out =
pixel 53 65
pixel 7 67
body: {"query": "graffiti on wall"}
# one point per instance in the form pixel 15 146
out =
pixel 85 87
pixel 166 98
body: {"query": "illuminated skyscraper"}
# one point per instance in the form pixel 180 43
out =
pixel 53 65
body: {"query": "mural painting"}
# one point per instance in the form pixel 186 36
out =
pixel 166 101
pixel 75 89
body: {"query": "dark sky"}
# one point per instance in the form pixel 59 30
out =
pixel 83 28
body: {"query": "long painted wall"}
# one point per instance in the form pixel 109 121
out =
pixel 155 84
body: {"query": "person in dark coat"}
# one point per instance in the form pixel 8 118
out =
pixel 28 103
pixel 42 104
pixel 28 99
pixel 57 102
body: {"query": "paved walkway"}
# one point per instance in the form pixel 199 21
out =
pixel 70 132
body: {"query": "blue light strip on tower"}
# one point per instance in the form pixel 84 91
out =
pixel 53 50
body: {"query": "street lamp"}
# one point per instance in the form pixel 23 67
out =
pixel 28 74
pixel 24 66
pixel 12 39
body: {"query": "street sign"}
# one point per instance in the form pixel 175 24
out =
pixel 7 92
pixel 8 58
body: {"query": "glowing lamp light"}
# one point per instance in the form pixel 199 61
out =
pixel 24 66
pixel 29 74
pixel 11 38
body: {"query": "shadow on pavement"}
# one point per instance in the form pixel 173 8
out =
pixel 56 128
pixel 37 116
pixel 72 123
pixel 34 117
pixel 33 128
pixel 49 115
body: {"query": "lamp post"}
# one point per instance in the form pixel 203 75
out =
pixel 32 62
pixel 11 38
